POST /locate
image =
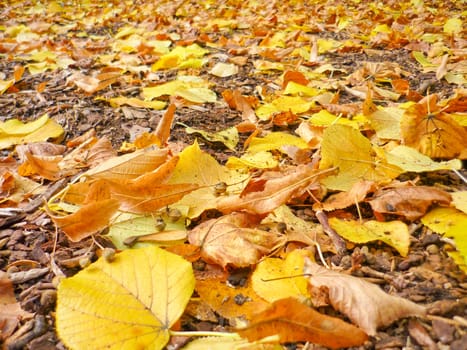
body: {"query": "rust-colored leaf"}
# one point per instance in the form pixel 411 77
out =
pixel 293 321
pixel 409 202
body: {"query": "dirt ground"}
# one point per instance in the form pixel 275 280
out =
pixel 427 275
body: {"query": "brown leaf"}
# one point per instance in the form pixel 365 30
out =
pixel 11 312
pixel 229 240
pixel 293 321
pixel 271 190
pixel 363 302
pixel 410 202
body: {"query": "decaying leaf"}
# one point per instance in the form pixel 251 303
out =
pixel 233 240
pixel 363 302
pixel 356 194
pixel 293 321
pixel 409 202
pixel 129 303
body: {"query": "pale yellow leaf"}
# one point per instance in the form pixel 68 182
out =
pixel 223 70
pixel 409 159
pixel 229 137
pixel 129 303
pixel 459 199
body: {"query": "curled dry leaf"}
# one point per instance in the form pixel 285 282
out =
pixel 229 240
pixel 293 321
pixel 355 195
pixel 363 302
pixel 410 202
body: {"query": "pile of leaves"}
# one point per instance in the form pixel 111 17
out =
pixel 232 174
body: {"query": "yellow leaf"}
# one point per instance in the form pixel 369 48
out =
pixel 283 104
pixel 195 166
pixel 223 70
pixel 275 141
pixel 183 89
pixel 181 57
pixel 223 343
pixel 386 122
pixel 134 102
pixel 425 62
pixel 5 85
pixel 459 199
pixel 294 88
pixel 229 137
pixel 14 132
pixel 324 118
pixel 356 159
pixel 259 160
pixel 453 26
pixel 409 159
pixel 450 222
pixel 129 303
pixel 268 278
pixel 394 233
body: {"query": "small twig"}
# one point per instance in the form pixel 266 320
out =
pixel 338 241
pixel 458 173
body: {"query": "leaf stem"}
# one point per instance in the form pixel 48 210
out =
pixel 204 334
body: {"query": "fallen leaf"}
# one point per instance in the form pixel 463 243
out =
pixel 232 240
pixel 293 322
pixel 275 278
pixel 410 202
pixel 229 137
pixel 425 127
pixel 355 195
pixel 14 131
pixel 132 301
pixel 276 189
pixel 200 168
pixel 356 159
pixel 224 70
pixel 363 302
pixel 231 303
pixel 450 222
pixel 394 233
pixel 12 313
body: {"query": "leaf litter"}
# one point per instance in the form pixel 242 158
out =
pixel 379 147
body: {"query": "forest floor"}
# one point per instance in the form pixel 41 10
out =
pixel 246 35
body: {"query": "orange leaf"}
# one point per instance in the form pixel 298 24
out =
pixel 293 321
pixel 88 220
pixel 296 77
pixel 163 128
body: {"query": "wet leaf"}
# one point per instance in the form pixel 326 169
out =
pixel 132 301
